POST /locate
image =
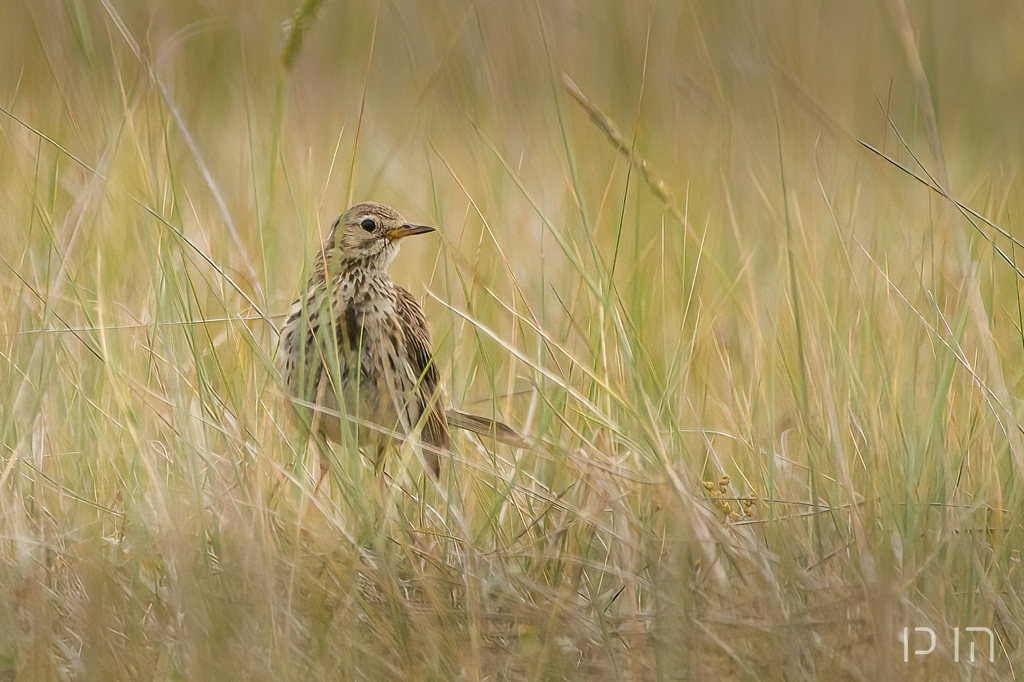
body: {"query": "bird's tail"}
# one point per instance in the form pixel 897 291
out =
pixel 501 432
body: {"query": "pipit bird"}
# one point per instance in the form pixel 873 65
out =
pixel 356 345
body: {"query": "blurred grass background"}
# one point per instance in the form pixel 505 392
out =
pixel 774 378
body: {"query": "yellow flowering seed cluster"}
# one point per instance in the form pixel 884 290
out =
pixel 734 509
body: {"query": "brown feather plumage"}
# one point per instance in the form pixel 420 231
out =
pixel 358 344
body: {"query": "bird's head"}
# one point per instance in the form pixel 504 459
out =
pixel 368 234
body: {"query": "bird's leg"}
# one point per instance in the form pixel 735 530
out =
pixel 381 507
pixel 378 468
pixel 378 462
pixel 324 470
pixel 314 429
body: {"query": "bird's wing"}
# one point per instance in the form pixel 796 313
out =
pixel 428 391
pixel 311 342
pixel 299 355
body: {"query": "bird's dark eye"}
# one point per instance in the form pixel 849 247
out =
pixel 369 225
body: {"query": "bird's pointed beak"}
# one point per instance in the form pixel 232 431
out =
pixel 407 230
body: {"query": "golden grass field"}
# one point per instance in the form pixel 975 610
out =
pixel 745 273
